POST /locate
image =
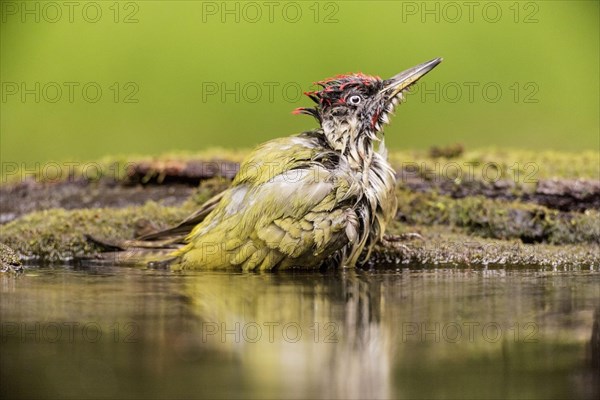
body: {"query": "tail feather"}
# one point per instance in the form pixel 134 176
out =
pixel 155 249
pixel 178 232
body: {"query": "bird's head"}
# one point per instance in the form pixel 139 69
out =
pixel 357 106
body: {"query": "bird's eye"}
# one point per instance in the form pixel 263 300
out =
pixel 354 99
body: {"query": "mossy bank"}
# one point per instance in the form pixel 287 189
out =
pixel 478 208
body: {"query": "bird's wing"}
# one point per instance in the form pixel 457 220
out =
pixel 284 209
pixel 296 219
pixel 259 167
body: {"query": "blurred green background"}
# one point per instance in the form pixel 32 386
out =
pixel 515 74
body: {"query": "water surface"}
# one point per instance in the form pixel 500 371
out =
pixel 99 332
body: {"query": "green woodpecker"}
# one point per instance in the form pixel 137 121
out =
pixel 319 198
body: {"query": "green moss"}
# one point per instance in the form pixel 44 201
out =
pixel 488 164
pixel 491 164
pixel 206 190
pixel 110 167
pixel 499 219
pixel 448 246
pixel 59 234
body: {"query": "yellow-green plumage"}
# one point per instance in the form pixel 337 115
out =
pixel 285 211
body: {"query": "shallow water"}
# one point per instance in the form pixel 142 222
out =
pixel 411 333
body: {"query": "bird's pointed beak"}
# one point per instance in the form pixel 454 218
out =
pixel 404 79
